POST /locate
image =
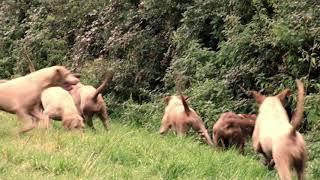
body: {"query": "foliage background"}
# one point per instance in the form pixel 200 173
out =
pixel 217 46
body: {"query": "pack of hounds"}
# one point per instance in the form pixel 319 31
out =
pixel 57 93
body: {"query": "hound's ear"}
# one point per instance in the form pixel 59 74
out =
pixel 230 125
pixel 77 75
pixel 257 96
pixel 167 99
pixel 241 115
pixel 282 96
pixel 58 71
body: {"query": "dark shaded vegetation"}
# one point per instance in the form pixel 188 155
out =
pixel 217 47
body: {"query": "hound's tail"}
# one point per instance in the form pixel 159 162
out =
pixel 104 84
pixel 185 105
pixel 298 117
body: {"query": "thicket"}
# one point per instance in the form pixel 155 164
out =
pixel 214 48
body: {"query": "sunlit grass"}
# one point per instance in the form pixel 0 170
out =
pixel 123 152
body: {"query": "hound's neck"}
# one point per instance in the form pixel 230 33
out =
pixel 45 81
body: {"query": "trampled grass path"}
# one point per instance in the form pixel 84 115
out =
pixel 124 152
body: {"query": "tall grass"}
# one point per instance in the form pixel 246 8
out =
pixel 123 152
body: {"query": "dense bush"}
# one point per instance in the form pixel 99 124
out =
pixel 211 50
pixel 219 48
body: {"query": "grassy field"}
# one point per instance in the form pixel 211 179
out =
pixel 124 152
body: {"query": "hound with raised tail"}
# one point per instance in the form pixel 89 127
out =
pixel 276 138
pixel 180 117
pixel 89 101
